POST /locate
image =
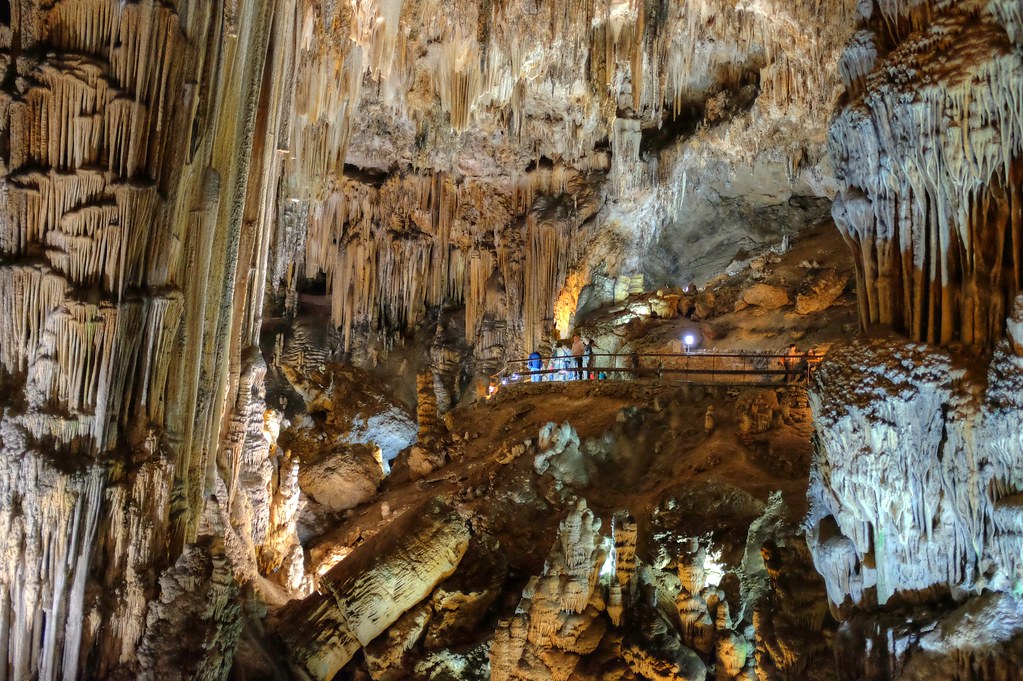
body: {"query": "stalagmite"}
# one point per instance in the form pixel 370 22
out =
pixel 625 532
pixel 558 618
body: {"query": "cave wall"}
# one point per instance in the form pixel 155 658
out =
pixel 496 154
pixel 914 489
pixel 167 167
pixel 139 148
pixel 928 149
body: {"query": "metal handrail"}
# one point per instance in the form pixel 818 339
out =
pixel 804 365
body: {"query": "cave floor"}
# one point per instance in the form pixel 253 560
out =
pixel 654 453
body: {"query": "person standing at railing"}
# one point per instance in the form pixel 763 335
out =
pixel 791 362
pixel 588 359
pixel 578 350
pixel 535 366
pixel 811 360
pixel 563 362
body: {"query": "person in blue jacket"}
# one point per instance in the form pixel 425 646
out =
pixel 535 364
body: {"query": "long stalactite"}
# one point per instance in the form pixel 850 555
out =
pixel 127 253
pixel 930 152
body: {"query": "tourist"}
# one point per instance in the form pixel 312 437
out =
pixel 812 359
pixel 562 359
pixel 791 363
pixel 578 350
pixel 588 356
pixel 535 366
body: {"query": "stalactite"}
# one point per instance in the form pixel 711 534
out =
pixel 418 242
pixel 927 204
pixel 122 281
pixel 30 295
pixel 544 272
pixel 953 524
pixel 460 81
pixel 457 80
pixel 46 560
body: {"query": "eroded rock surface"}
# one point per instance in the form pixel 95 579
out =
pixel 914 493
pixel 933 209
pixel 366 593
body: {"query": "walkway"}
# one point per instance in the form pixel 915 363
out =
pixel 700 367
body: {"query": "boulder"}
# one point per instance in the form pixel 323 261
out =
pixel 560 455
pixel 367 592
pixel 343 480
pixel 424 460
pixel 821 292
pixel 665 305
pixel 705 304
pixel 766 296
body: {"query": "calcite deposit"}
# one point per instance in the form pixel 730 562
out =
pixel 262 266
pixel 361 597
pixel 464 157
pixel 914 493
pixel 928 146
pixel 134 254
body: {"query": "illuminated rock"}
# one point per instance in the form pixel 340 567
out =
pixel 821 292
pixel 369 590
pixel 559 617
pixel 766 296
pixel 928 207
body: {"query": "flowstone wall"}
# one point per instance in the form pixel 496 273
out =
pixel 133 245
pixel 915 515
pixel 928 151
pixel 916 520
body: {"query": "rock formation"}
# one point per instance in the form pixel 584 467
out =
pixel 447 157
pixel 367 592
pixel 913 513
pixel 914 489
pixel 139 142
pixel 820 292
pixel 928 147
pixel 241 243
pixel 559 618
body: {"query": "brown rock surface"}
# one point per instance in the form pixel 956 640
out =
pixel 821 292
pixel 343 479
pixel 766 296
pixel 367 592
